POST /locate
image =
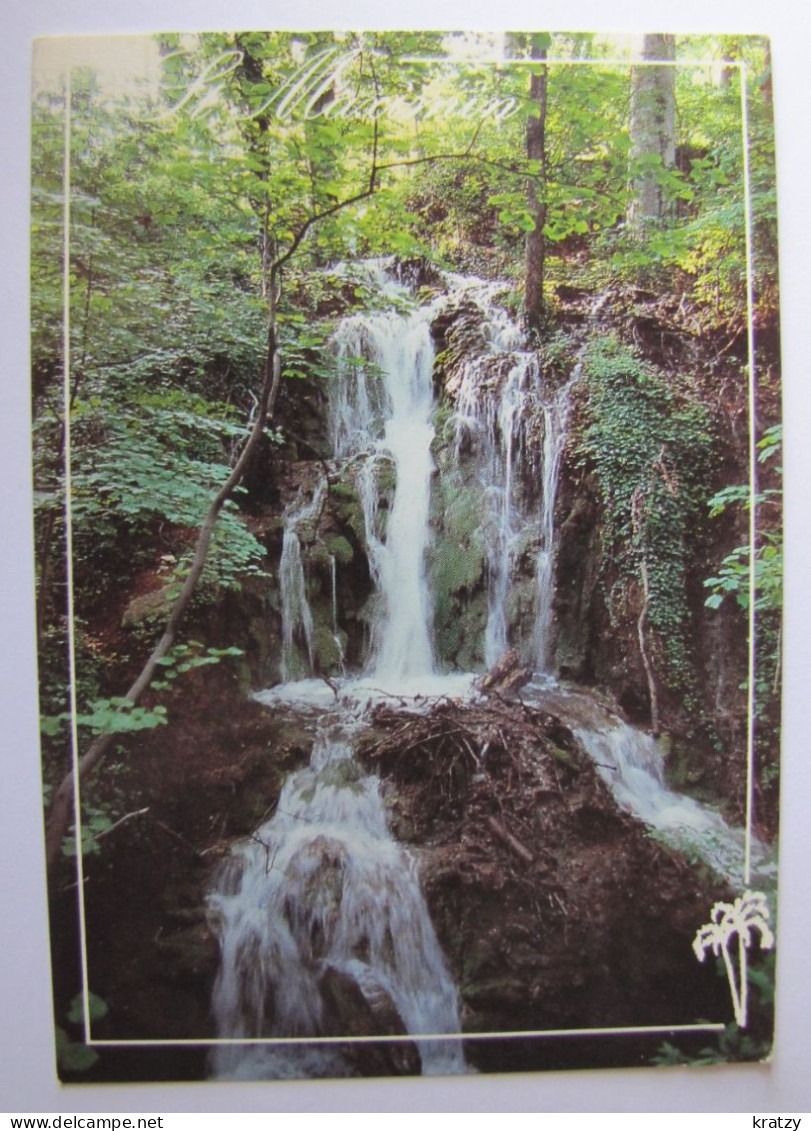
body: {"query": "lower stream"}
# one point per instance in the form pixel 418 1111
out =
pixel 322 907
pixel 322 902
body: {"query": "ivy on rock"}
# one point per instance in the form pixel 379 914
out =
pixel 650 448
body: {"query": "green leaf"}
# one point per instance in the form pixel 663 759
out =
pixel 72 1056
pixel 97 1008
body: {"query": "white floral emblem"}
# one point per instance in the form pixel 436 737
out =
pixel 750 912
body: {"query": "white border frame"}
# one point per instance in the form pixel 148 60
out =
pixel 72 57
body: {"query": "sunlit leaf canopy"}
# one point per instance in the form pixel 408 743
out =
pixel 202 165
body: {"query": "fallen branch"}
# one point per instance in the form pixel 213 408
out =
pixel 507 838
pixel 123 820
pixel 181 839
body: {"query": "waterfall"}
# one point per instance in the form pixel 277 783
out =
pixel 322 892
pixel 490 413
pixel 336 634
pixel 297 618
pixel 555 418
pixel 382 406
pixel 632 765
pixel 324 931
pixel 515 427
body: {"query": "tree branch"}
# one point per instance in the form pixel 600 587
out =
pixel 59 816
pixel 371 187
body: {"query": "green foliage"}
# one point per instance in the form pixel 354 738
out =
pixel 476 210
pixel 735 573
pixel 186 657
pixel 734 579
pixel 735 1044
pixel 118 715
pixel 96 1007
pixel 703 238
pixel 151 467
pixel 650 450
pixel 75 1056
pixel 95 822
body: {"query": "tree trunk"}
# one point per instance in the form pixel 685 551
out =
pixel 62 806
pixel 766 87
pixel 653 131
pixel 731 48
pixel 536 192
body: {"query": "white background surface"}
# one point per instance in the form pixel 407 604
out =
pixel 27 1079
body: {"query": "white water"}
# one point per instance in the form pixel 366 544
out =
pixel 383 406
pixel 323 889
pixel 632 765
pixel 516 428
pixel 336 632
pixel 297 618
pixel 556 416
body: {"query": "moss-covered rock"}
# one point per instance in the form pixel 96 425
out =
pixel 339 548
pixel 327 650
pixel 457 568
pixel 457 561
pixel 147 606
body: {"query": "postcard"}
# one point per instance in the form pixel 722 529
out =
pixel 407 464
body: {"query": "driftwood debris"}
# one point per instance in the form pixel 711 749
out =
pixel 506 677
pixel 488 774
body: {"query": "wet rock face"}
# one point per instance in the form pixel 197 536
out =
pixel 369 1011
pixel 457 566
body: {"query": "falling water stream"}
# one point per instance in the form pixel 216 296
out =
pixel 322 891
pixel 516 429
pixel 384 407
pixel 632 764
pixel 297 618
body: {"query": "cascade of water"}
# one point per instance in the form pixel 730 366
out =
pixel 503 406
pixel 297 618
pixel 491 411
pixel 333 571
pixel 383 406
pixel 631 763
pixel 555 418
pixel 322 890
pixel 336 635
